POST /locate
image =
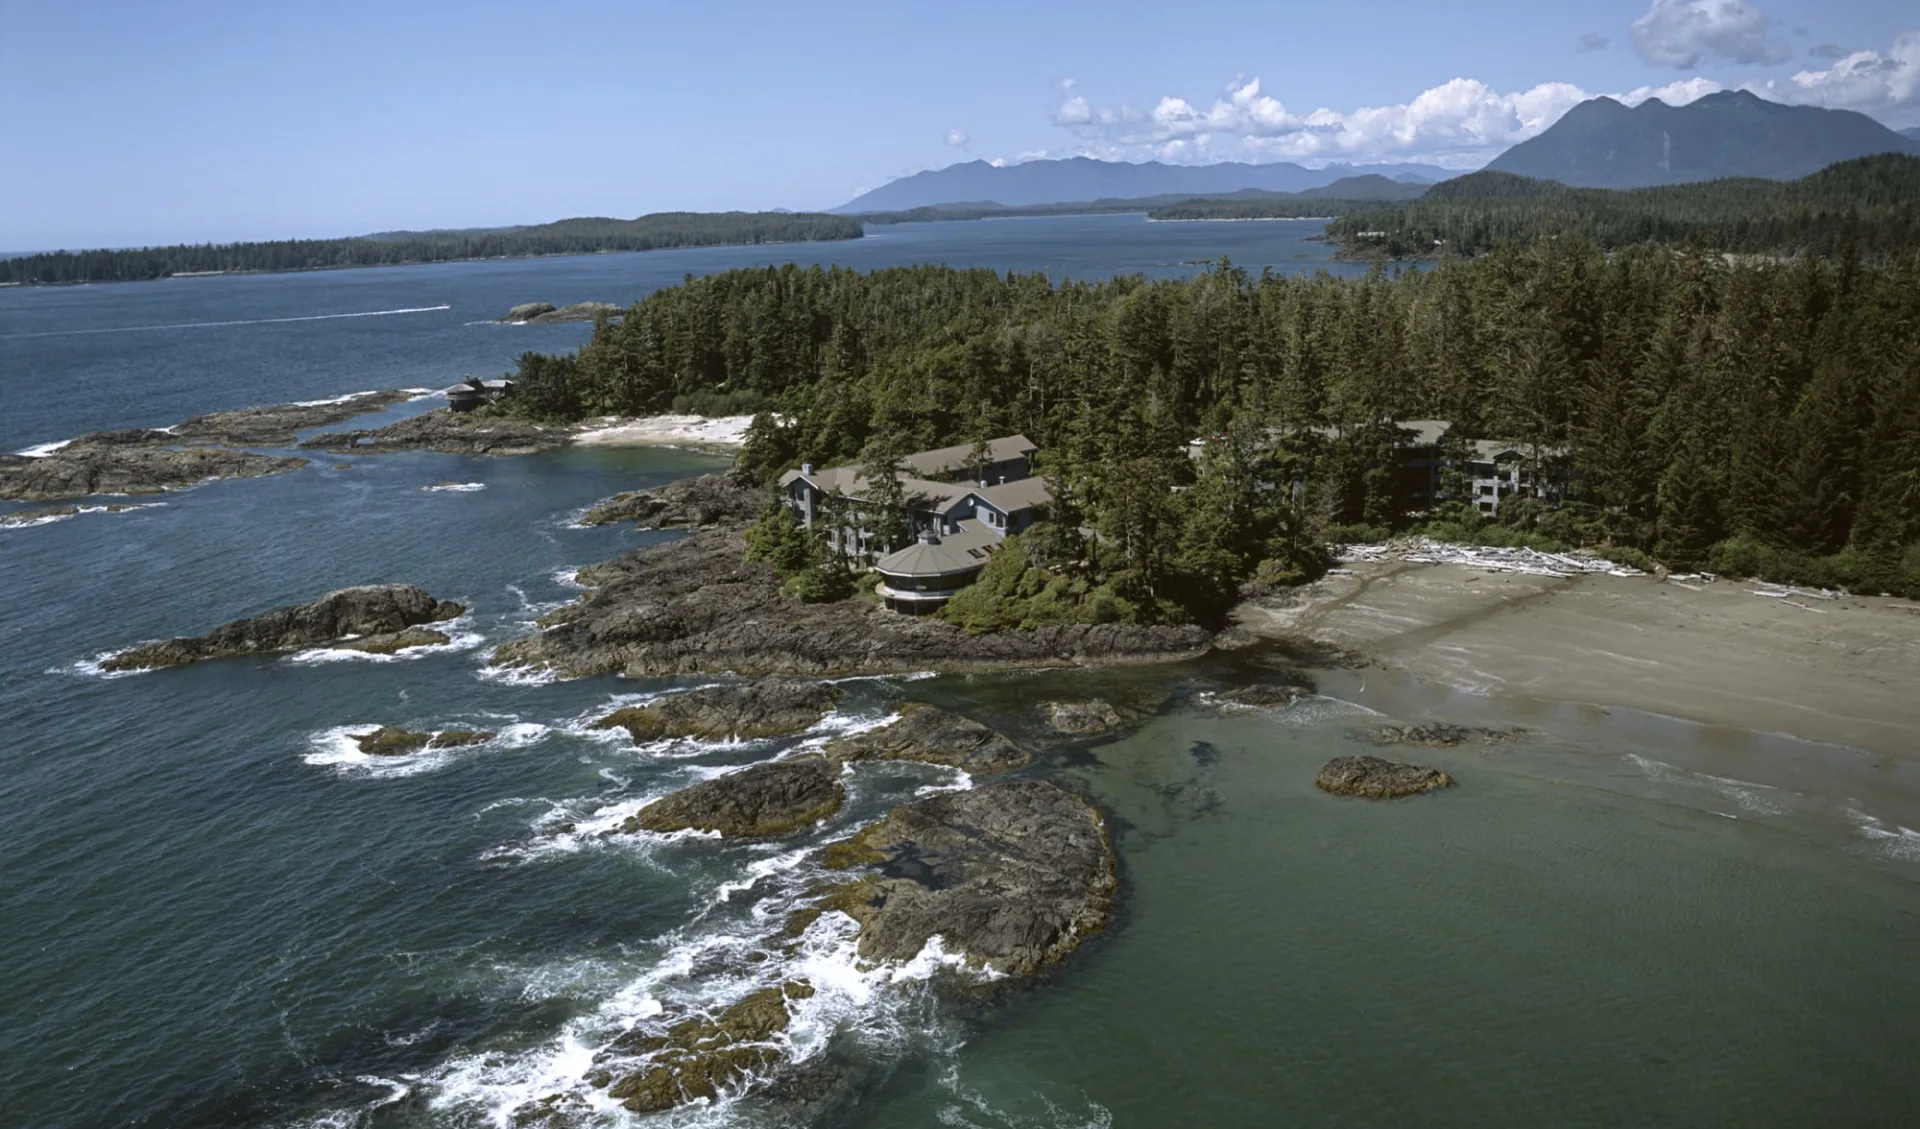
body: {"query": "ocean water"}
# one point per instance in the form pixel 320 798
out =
pixel 214 911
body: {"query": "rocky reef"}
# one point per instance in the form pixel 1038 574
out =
pixel 697 605
pixel 690 503
pixel 1094 717
pixel 1377 779
pixel 389 741
pixel 1014 874
pixel 546 313
pixel 933 736
pixel 1438 736
pixel 775 798
pixel 771 707
pixel 127 463
pixel 275 426
pixel 337 618
pixel 446 431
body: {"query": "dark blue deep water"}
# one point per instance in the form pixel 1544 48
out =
pixel 214 911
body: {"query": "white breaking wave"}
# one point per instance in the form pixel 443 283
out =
pixel 348 398
pixel 44 449
pixel 221 324
pixel 1761 799
pixel 338 749
pixel 457 640
pixel 455 487
pixel 49 519
pixel 1893 840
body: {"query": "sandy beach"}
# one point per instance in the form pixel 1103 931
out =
pixel 1842 670
pixel 716 433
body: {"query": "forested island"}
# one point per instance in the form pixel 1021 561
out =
pixel 564 237
pixel 1869 206
pixel 1750 417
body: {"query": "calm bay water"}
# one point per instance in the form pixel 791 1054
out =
pixel 217 913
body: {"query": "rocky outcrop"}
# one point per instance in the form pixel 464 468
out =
pixel 1377 779
pixel 546 313
pixel 1014 874
pixel 331 620
pixel 393 642
pixel 127 463
pixel 275 426
pixel 453 433
pixel 388 741
pixel 934 736
pixel 776 798
pixel 690 503
pixel 1439 736
pixel 1097 716
pixel 772 707
pixel 697 605
pixel 692 1060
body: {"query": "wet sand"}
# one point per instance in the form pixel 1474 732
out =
pixel 1844 671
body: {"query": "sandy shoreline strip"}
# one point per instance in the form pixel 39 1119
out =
pixel 1844 671
pixel 723 433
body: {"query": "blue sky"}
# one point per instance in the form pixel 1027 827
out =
pixel 131 123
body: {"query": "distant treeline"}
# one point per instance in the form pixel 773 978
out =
pixel 1866 206
pixel 564 237
pixel 1245 208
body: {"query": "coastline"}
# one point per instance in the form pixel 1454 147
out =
pixel 1719 654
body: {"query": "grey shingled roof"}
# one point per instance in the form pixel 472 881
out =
pixel 950 555
pixel 947 460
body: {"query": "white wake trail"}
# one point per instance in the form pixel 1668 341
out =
pixel 217 324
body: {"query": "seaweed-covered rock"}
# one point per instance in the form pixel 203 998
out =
pixel 771 707
pixel 770 799
pixel 934 736
pixel 1377 779
pixel 697 604
pixel 690 503
pixel 1014 874
pixel 1439 736
pixel 343 616
pixel 696 1058
pixel 1083 719
pixel 443 430
pixel 391 741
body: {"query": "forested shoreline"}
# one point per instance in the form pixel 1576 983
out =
pixel 1869 206
pixel 659 231
pixel 1750 417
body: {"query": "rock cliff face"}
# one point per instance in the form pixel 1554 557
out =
pixel 1376 779
pixel 1014 874
pixel 446 431
pixel 690 503
pixel 697 605
pixel 933 736
pixel 775 798
pixel 375 610
pixel 127 463
pixel 769 708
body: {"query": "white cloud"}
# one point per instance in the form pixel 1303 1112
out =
pixel 958 138
pixel 1868 81
pixel 1677 93
pixel 1073 110
pixel 1680 33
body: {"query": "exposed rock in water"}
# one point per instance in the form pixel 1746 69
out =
pixel 455 433
pixel 42 513
pixel 770 799
pixel 1096 716
pixel 275 426
pixel 1378 779
pixel 693 1060
pixel 1014 874
pixel 1439 736
pixel 935 736
pixel 393 642
pixel 690 503
pixel 697 605
pixel 127 463
pixel 373 610
pixel 388 741
pixel 546 313
pixel 772 707
pixel 1261 697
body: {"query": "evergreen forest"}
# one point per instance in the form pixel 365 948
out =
pixel 564 237
pixel 1752 417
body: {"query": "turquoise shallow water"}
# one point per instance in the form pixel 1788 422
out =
pixel 216 913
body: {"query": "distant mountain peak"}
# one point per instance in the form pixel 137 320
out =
pixel 1733 133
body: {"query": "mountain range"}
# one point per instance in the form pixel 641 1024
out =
pixel 1604 144
pixel 1083 178
pixel 1600 143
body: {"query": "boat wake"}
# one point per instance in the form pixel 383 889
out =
pixel 223 324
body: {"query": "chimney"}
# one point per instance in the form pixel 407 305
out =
pixel 929 537
pixel 806 469
pixel 1003 480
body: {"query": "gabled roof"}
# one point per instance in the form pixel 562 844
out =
pixel 848 480
pixel 1013 497
pixel 951 555
pixel 947 460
